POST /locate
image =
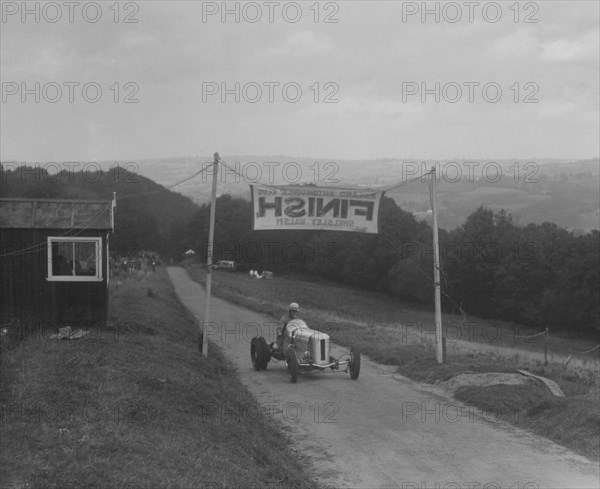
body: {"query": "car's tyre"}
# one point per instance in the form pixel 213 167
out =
pixel 254 357
pixel 266 355
pixel 354 365
pixel 259 353
pixel 292 365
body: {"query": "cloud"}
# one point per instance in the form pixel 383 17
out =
pixel 585 48
pixel 366 107
pixel 521 44
pixel 136 39
pixel 41 62
pixel 367 57
pixel 301 43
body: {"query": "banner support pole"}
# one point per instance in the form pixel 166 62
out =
pixel 439 347
pixel 209 254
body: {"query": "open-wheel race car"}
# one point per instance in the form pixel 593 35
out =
pixel 303 349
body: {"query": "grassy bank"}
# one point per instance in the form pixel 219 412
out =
pixel 135 406
pixel 356 317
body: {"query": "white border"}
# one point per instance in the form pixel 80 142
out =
pixel 73 278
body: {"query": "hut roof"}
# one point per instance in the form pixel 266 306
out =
pixel 56 214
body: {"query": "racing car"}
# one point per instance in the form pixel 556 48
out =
pixel 303 349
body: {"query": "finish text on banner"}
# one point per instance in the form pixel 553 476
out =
pixel 317 208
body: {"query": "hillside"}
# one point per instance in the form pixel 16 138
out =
pixel 494 265
pixel 564 192
pixel 146 212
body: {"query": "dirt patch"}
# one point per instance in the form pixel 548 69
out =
pixel 592 395
pixel 571 421
pixel 483 380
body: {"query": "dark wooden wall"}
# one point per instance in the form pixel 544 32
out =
pixel 27 295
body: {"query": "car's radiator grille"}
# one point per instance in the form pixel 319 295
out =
pixel 323 350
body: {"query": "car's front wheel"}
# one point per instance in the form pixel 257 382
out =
pixel 292 365
pixel 259 353
pixel 354 365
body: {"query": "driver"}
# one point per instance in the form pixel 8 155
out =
pixel 286 318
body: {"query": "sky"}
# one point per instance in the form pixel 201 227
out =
pixel 98 81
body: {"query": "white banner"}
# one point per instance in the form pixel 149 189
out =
pixel 316 208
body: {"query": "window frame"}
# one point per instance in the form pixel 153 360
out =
pixel 98 277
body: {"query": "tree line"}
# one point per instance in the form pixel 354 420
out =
pixel 540 274
pixel 145 211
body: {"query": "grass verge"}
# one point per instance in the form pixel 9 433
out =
pixel 355 317
pixel 136 405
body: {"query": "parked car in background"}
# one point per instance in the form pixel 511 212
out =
pixel 226 265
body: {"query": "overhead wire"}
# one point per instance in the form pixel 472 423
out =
pixel 92 219
pixel 246 179
pixel 446 293
pixel 162 189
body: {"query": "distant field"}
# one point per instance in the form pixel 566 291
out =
pixel 589 220
pixel 456 204
pixel 344 306
pixel 497 196
pixel 556 180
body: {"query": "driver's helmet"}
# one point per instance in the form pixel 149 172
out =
pixel 294 307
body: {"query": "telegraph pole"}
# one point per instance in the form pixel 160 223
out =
pixel 436 274
pixel 209 254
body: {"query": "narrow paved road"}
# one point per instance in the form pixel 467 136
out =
pixel 383 430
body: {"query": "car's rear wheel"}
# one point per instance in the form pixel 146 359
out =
pixel 354 365
pixel 292 365
pixel 259 353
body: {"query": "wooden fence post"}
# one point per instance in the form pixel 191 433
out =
pixel 546 347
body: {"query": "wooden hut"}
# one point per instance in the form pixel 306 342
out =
pixel 54 261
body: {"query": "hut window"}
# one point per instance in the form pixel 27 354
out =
pixel 74 259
